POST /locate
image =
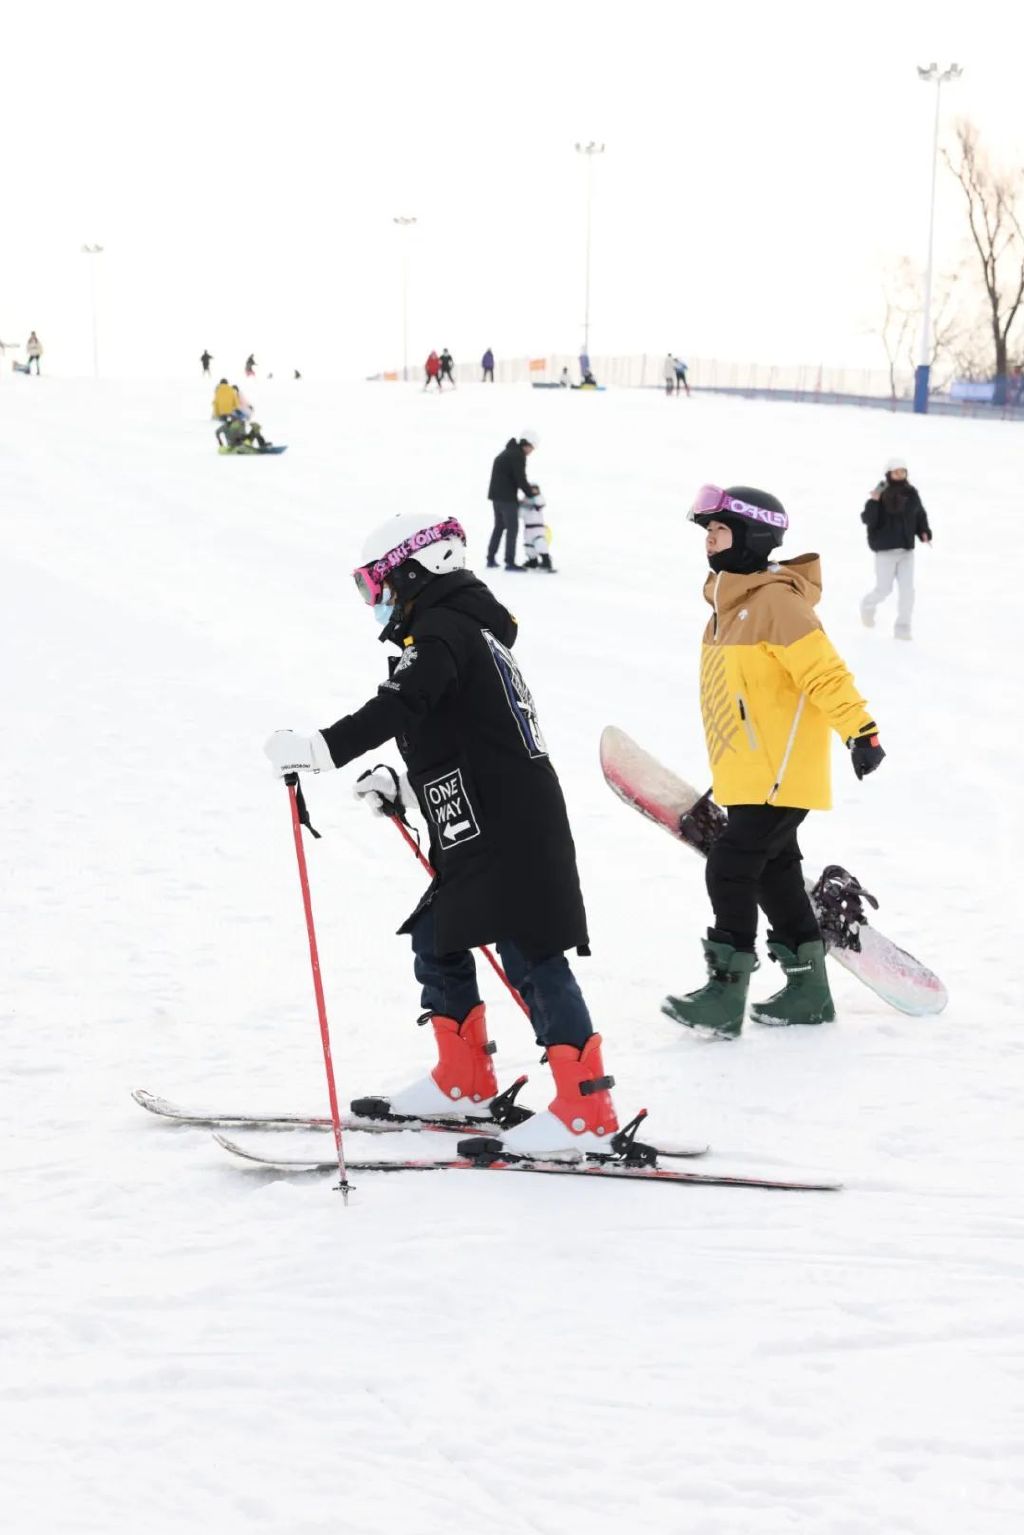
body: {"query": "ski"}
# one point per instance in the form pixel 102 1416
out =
pixel 570 1164
pixel 372 1117
pixel 374 1123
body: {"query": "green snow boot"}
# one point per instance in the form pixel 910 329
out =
pixel 719 1005
pixel 806 997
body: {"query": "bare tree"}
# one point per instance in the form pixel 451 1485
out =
pixel 994 203
pixel 901 320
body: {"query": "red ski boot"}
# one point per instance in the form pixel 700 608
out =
pixel 463 1082
pixel 581 1117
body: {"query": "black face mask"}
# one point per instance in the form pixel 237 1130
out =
pixel 739 562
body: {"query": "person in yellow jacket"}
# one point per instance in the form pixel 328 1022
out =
pixel 225 400
pixel 773 689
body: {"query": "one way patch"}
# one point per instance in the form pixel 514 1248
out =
pixel 450 810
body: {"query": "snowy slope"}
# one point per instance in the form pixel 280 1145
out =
pixel 188 1345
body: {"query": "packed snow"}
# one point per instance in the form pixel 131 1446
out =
pixel 188 1344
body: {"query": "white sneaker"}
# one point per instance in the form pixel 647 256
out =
pixel 426 1098
pixel 867 618
pixel 542 1134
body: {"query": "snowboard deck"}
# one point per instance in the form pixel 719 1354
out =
pixel 275 447
pixel 661 796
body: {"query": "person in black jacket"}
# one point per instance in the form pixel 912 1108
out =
pixel 464 720
pixel 894 516
pixel 508 478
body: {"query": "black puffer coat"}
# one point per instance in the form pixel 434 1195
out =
pixel 896 518
pixel 508 474
pixel 465 723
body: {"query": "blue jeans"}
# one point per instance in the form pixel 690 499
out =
pixel 558 1013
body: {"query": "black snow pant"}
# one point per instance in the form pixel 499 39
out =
pixel 433 378
pixel 506 520
pixel 488 377
pixel 757 862
pixel 558 1012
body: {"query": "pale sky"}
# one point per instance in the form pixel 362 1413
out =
pixel 242 165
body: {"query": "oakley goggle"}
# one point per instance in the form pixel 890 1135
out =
pixel 370 579
pixel 710 499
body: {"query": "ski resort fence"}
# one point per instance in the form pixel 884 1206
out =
pixel 816 382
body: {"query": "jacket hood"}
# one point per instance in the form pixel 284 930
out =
pixel 803 574
pixel 463 592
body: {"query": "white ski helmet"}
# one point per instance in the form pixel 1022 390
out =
pixel 896 462
pixel 406 552
pixel 530 435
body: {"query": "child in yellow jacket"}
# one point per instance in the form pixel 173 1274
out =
pixel 773 689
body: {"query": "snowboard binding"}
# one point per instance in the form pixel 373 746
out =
pixel 839 900
pixel 703 824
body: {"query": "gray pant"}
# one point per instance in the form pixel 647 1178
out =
pixel 892 565
pixel 506 521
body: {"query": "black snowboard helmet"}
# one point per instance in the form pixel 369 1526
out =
pixel 758 521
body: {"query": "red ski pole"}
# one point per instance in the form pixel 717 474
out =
pixel 410 842
pixel 294 793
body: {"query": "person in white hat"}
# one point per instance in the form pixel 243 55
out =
pixel 895 518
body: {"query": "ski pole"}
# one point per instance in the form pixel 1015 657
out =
pixel 300 817
pixel 410 842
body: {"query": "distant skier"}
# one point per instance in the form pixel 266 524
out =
pixel 296 374
pixel 584 366
pixel 206 358
pixel 487 364
pixel 564 379
pixel 34 351
pixel 460 712
pixel 671 382
pixel 225 400
pixel 508 479
pixel 447 365
pixel 772 690
pixel 895 517
pixel 535 533
pixel 250 366
pixel 681 375
pixel 433 367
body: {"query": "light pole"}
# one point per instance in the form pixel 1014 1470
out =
pixel 589 150
pixel 932 76
pixel 405 224
pixel 94 250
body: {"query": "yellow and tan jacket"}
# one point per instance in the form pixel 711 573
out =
pixel 225 399
pixel 772 687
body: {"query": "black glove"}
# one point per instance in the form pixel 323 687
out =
pixel 865 752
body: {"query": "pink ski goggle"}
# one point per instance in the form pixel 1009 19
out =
pixel 710 499
pixel 370 578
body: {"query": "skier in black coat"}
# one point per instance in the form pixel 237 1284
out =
pixel 895 518
pixel 464 720
pixel 508 478
pixel 206 358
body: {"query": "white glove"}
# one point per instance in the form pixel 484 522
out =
pixel 385 791
pixel 292 753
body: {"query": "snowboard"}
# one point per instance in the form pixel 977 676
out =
pixel 838 898
pixel 275 447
